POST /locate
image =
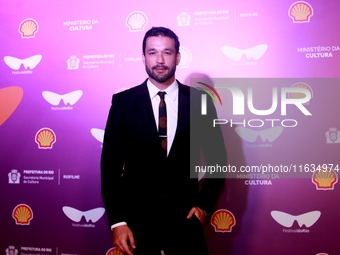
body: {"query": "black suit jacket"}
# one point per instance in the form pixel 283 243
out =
pixel 137 183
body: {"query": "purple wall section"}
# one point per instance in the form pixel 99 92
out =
pixel 61 61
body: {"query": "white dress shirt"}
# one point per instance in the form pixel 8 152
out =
pixel 171 102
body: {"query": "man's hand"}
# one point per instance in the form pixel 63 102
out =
pixel 122 238
pixel 200 214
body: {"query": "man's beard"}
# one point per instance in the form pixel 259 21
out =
pixel 161 77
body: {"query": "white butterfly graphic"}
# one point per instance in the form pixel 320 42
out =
pixel 287 220
pixel 98 134
pixel 54 98
pixel 250 135
pixel 30 62
pixel 236 54
pixel 91 215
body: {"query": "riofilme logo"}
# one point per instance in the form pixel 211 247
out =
pixel 223 220
pixel 300 12
pixel 28 28
pixel 325 179
pixel 45 138
pixel 114 251
pixel 207 90
pixel 10 98
pixel 22 214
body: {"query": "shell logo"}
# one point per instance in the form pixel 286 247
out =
pixel 300 12
pixel 186 57
pixel 22 214
pixel 297 95
pixel 136 21
pixel 114 251
pixel 325 179
pixel 45 138
pixel 28 28
pixel 10 98
pixel 223 220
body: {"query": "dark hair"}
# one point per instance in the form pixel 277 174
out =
pixel 163 31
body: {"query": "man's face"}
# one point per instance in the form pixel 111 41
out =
pixel 160 58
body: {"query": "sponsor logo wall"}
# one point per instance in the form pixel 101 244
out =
pixel 61 63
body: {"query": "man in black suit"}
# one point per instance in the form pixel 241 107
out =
pixel 149 180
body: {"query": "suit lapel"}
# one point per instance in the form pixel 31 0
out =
pixel 183 115
pixel 145 106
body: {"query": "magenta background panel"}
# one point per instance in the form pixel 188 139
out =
pixel 60 63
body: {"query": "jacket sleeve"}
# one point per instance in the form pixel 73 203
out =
pixel 215 154
pixel 112 163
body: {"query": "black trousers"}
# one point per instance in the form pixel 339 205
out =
pixel 173 237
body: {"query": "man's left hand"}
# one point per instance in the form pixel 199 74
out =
pixel 199 213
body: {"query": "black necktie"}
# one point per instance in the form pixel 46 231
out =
pixel 162 133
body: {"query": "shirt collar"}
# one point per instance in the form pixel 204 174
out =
pixel 171 91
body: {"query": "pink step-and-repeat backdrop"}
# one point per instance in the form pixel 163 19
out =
pixel 61 61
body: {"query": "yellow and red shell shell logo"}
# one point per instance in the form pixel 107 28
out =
pixel 223 220
pixel 325 179
pixel 300 12
pixel 22 214
pixel 45 138
pixel 114 251
pixel 28 28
